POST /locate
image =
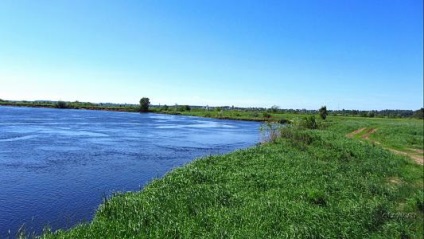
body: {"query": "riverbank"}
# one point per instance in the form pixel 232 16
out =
pixel 273 114
pixel 72 105
pixel 307 183
pixel 258 115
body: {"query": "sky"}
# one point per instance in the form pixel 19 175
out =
pixel 294 54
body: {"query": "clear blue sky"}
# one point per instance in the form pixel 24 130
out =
pixel 351 54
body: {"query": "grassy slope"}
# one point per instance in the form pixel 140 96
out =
pixel 231 114
pixel 316 184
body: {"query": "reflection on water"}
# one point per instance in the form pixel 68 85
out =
pixel 56 165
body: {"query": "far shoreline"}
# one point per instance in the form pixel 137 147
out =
pixel 273 114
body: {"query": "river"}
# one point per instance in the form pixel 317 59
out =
pixel 57 165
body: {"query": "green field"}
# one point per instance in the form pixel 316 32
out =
pixel 320 183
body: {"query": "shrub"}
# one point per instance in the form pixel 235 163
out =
pixel 270 132
pixel 323 112
pixel 266 115
pixel 296 136
pixel 308 122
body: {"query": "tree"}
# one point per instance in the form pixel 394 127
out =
pixel 187 108
pixel 61 105
pixel 371 114
pixel 144 104
pixel 274 109
pixel 323 112
pixel 419 113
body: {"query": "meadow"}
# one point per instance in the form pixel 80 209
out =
pixel 338 180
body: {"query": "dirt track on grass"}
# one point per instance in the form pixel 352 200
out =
pixel 416 154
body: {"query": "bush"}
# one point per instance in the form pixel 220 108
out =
pixel 296 136
pixel 308 122
pixel 266 115
pixel 323 112
pixel 270 132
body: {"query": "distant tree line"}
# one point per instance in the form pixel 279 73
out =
pixel 419 114
pixel 145 106
pixel 72 105
pixel 380 113
pixel 323 112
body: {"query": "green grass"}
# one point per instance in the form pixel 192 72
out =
pixel 246 114
pixel 399 134
pixel 308 184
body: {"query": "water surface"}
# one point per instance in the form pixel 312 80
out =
pixel 57 165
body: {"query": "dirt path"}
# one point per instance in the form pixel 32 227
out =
pixel 369 133
pixel 366 135
pixel 358 131
pixel 416 154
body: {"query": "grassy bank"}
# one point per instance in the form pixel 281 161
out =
pixel 307 184
pixel 72 105
pixel 247 114
pixel 253 114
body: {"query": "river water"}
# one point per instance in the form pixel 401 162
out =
pixel 56 165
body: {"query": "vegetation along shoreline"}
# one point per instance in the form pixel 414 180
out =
pixel 273 113
pixel 318 177
pixel 307 182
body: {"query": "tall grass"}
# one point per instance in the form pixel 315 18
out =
pixel 392 133
pixel 305 184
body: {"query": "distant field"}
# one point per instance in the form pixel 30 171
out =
pixel 401 136
pixel 338 181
